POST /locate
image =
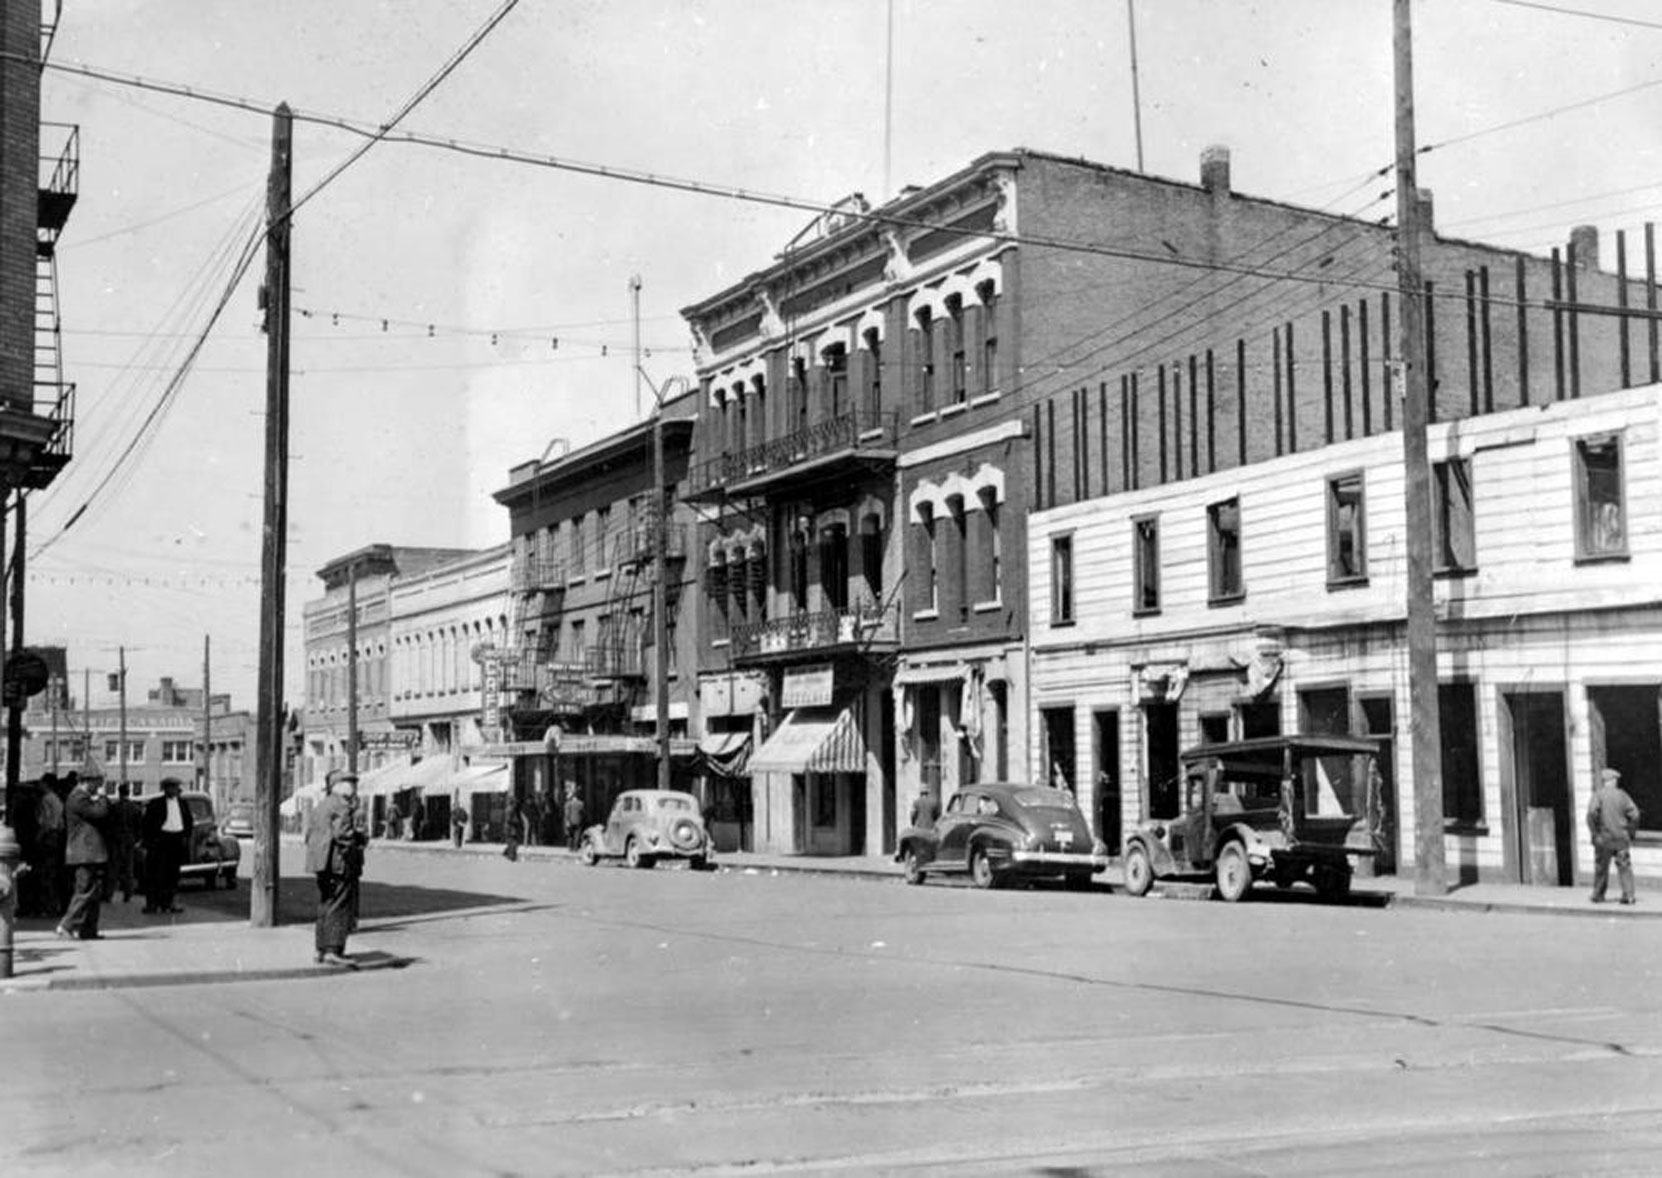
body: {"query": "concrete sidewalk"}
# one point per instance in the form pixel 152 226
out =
pixel 202 945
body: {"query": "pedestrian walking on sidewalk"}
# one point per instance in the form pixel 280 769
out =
pixel 394 828
pixel 458 824
pixel 573 817
pixel 50 833
pixel 925 810
pixel 85 851
pixel 335 836
pixel 167 838
pixel 1612 820
pixel 510 848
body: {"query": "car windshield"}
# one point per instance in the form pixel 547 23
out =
pixel 1043 798
pixel 675 804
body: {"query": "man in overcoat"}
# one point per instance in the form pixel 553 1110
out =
pixel 86 853
pixel 336 833
pixel 167 840
pixel 1612 820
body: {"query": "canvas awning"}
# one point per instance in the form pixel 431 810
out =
pixel 813 740
pixel 930 673
pixel 492 778
pixel 726 753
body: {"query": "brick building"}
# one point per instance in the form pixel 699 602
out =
pixel 886 404
pixel 578 663
pixel 325 720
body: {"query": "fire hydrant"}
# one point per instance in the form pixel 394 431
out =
pixel 12 868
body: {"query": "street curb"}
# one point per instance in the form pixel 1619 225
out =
pixel 1441 904
pixel 203 977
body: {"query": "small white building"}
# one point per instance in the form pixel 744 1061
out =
pixel 1271 598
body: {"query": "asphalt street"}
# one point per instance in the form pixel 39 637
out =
pixel 555 1019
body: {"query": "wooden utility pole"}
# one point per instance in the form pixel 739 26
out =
pixel 208 724
pixel 268 775
pixel 14 711
pixel 352 667
pixel 1424 728
pixel 121 747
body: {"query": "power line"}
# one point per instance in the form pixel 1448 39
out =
pixel 1541 116
pixel 1605 16
pixel 680 184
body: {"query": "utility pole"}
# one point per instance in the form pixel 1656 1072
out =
pixel 121 748
pixel 352 668
pixel 1136 87
pixel 1424 726
pixel 269 737
pixel 14 712
pixel 53 686
pixel 86 717
pixel 208 724
pixel 660 528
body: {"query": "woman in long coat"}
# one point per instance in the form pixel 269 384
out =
pixel 336 832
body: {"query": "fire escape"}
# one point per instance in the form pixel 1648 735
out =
pixel 50 440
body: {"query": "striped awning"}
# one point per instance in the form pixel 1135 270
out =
pixel 813 740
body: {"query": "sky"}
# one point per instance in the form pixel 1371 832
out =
pixel 504 288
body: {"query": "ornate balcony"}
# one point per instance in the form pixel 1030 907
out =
pixel 850 441
pixel 861 628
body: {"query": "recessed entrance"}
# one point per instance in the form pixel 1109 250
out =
pixel 1535 771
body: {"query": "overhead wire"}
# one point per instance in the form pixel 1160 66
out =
pixel 249 252
pixel 1582 12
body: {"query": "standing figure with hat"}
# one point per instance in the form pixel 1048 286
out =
pixel 1612 820
pixel 87 854
pixel 335 836
pixel 167 840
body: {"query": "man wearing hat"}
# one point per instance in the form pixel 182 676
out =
pixel 335 836
pixel 167 840
pixel 1612 820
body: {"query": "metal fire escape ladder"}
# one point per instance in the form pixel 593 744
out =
pixel 51 14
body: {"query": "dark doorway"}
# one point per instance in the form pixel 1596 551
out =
pixel 1106 727
pixel 1623 727
pixel 1543 822
pixel 1160 725
pixel 1060 764
pixel 1260 719
pixel 1379 722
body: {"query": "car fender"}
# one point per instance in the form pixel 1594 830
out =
pixel 1160 857
pixel 1259 844
pixel 992 842
pixel 923 843
pixel 596 834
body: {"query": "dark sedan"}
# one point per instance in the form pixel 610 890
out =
pixel 993 833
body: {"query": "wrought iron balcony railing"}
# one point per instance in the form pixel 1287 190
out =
pixel 862 625
pixel 60 182
pixel 854 433
pixel 636 545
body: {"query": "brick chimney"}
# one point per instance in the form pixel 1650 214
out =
pixel 1585 240
pixel 1428 210
pixel 1214 169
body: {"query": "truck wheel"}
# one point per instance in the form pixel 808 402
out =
pixel 913 867
pixel 1139 872
pixel 981 870
pixel 1332 881
pixel 1234 872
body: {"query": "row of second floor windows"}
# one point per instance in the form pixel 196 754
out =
pixel 1600 522
pixel 943 362
pixel 165 752
pixel 957 560
pixel 829 571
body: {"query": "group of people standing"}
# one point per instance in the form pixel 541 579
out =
pixel 81 840
pixel 529 821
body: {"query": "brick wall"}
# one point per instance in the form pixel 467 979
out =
pixel 19 152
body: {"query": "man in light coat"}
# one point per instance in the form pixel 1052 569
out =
pixel 336 832
pixel 1612 820
pixel 86 853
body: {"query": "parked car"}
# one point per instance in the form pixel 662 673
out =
pixel 239 822
pixel 213 855
pixel 998 832
pixel 647 825
pixel 1284 808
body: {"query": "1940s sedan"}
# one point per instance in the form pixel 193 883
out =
pixel 1282 808
pixel 998 832
pixel 647 825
